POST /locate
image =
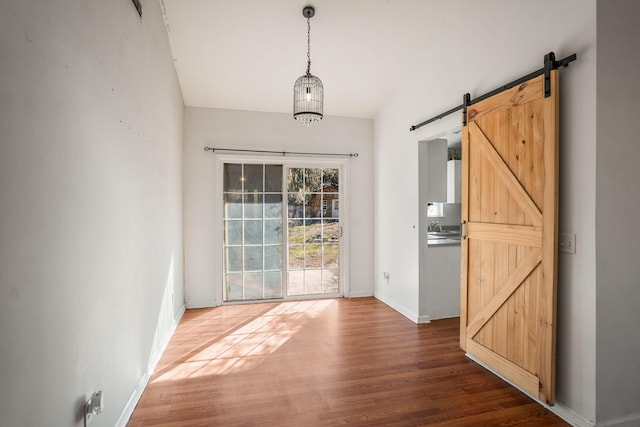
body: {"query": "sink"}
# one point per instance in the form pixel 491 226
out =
pixel 443 234
pixel 432 236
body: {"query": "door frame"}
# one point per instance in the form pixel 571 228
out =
pixel 287 161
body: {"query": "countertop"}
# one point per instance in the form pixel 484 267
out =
pixel 443 242
pixel 445 237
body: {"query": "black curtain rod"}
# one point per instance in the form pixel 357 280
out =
pixel 283 153
pixel 549 64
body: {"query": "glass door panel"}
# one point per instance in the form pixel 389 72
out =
pixel 313 231
pixel 253 233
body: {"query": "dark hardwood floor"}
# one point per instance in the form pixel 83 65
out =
pixel 325 363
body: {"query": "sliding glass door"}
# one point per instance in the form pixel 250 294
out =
pixel 313 230
pixel 263 259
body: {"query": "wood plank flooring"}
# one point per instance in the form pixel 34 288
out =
pixel 331 362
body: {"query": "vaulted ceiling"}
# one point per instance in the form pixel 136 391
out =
pixel 247 54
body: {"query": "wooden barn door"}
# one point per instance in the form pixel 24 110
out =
pixel 509 215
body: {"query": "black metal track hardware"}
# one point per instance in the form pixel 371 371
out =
pixel 550 63
pixel 466 99
pixel 282 153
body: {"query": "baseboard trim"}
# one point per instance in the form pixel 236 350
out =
pixel 569 415
pixel 133 400
pixel 559 409
pixel 202 304
pixel 360 294
pixel 424 319
pixel 626 421
pixel 400 309
pixel 123 419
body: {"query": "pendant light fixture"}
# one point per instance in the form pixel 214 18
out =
pixel 308 93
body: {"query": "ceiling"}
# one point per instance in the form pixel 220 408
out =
pixel 247 54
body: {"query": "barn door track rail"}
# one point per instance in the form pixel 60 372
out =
pixel 550 63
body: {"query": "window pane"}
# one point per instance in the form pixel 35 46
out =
pixel 330 280
pixel 330 254
pixel 234 286
pixel 295 283
pixel 296 231
pixel 313 209
pixel 295 180
pixel 273 178
pixel 252 258
pixel 253 285
pixel 273 284
pixel 232 178
pixel 330 180
pixel 296 257
pixel 330 230
pixel 313 231
pixel 296 205
pixel 313 180
pixel 335 208
pixel 273 205
pixel 313 256
pixel 273 231
pixel 233 232
pixel 313 281
pixel 233 205
pixel 252 205
pixel 330 205
pixel 253 232
pixel 233 257
pixel 253 178
pixel 273 257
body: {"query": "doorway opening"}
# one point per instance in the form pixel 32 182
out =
pixel 439 222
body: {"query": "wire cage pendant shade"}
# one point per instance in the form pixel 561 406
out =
pixel 308 92
pixel 308 96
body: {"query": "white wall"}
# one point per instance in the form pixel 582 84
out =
pixel 618 203
pixel 269 131
pixel 91 269
pixel 493 42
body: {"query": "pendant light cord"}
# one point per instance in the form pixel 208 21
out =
pixel 308 46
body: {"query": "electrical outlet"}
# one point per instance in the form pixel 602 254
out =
pixel 567 242
pixel 93 407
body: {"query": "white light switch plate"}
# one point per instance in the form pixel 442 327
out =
pixel 567 242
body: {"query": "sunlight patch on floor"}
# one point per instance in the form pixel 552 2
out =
pixel 245 344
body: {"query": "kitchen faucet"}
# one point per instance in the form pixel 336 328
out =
pixel 433 225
